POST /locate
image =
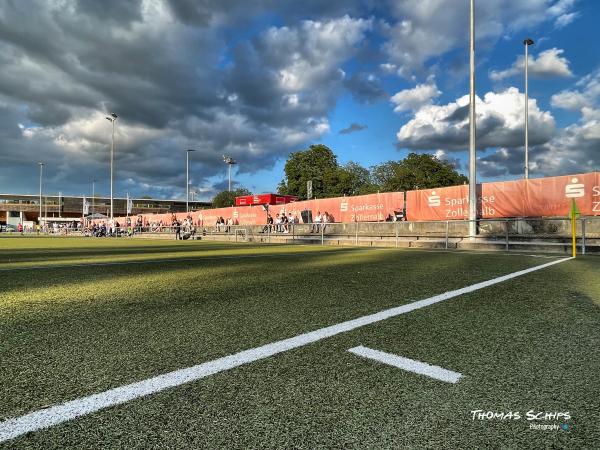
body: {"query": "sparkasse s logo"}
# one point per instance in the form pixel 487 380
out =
pixel 575 189
pixel 434 199
pixel 344 205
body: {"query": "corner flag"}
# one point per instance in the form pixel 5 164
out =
pixel 574 210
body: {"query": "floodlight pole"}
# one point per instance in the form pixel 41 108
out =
pixel 230 162
pixel 472 132
pixel 187 179
pixel 527 42
pixel 229 176
pixel 41 164
pixel 113 119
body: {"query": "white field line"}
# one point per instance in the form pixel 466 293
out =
pixel 439 373
pixel 54 415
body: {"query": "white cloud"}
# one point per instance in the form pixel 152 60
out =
pixel 415 98
pixel 571 100
pixel 388 68
pixel 573 149
pixel 561 7
pixel 426 29
pixel 548 64
pixel 500 123
pixel 565 19
pixel 586 95
pixel 310 52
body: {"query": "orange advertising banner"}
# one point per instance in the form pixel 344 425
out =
pixel 450 203
pixel 538 197
pixel 553 196
pixel 361 208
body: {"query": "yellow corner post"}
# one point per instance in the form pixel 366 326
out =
pixel 574 213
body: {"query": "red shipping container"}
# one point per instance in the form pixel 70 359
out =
pixel 264 199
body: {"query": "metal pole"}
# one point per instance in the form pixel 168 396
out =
pixel 229 171
pixel 356 232
pixel 472 132
pixel 396 232
pixel 574 235
pixel 322 227
pixel 112 151
pixel 527 42
pixel 447 229
pixel 526 112
pixel 506 233
pixel 187 181
pixel 583 236
pixel 41 174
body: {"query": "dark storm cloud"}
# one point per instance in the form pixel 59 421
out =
pixel 165 68
pixel 365 88
pixel 459 115
pixel 353 128
pixel 48 114
pixel 118 11
pixel 502 162
pixel 207 12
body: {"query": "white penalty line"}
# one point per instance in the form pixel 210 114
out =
pixel 54 415
pixel 411 365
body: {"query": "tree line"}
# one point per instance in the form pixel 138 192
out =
pixel 319 164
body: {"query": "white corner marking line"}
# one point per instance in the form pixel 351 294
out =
pixel 54 415
pixel 439 373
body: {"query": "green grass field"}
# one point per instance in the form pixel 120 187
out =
pixel 81 316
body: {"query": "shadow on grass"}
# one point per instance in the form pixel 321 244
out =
pixel 372 273
pixel 45 253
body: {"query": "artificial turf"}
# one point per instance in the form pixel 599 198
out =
pixel 69 329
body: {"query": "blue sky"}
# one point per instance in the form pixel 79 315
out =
pixel 260 79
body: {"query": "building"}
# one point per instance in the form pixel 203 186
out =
pixel 16 208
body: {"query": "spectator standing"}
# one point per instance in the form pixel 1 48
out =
pixel 177 226
pixel 316 228
pixel 325 219
pixel 285 223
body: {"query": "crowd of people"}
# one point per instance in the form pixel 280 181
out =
pixel 45 228
pixel 281 223
pixel 180 228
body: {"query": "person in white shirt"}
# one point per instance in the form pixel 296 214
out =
pixel 316 228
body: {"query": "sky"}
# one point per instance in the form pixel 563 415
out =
pixel 256 80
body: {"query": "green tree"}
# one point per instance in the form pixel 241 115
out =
pixel 354 179
pixel 227 198
pixel 319 164
pixel 422 171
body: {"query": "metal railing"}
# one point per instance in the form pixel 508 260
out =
pixel 505 234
